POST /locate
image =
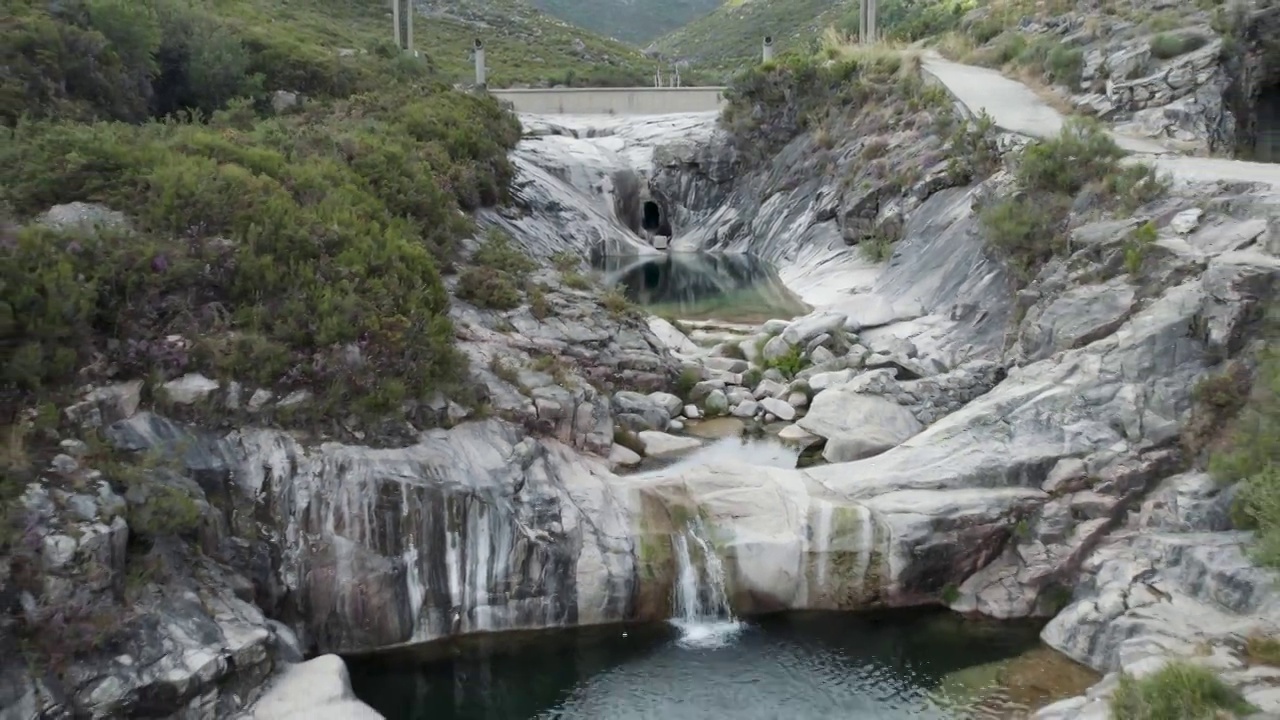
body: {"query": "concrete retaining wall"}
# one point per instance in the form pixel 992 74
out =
pixel 613 101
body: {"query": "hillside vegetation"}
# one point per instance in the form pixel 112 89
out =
pixel 635 21
pixel 523 45
pixel 729 38
pixel 323 48
pixel 297 248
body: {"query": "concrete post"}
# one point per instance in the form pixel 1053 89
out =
pixel 395 22
pixel 479 51
pixel 766 49
pixel 862 21
pixel 873 33
pixel 408 25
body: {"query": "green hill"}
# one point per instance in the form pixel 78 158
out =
pixel 729 38
pixel 636 21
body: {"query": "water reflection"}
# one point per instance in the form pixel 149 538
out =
pixel 799 666
pixel 754 451
pixel 699 286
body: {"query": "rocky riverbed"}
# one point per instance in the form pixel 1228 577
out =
pixel 1006 453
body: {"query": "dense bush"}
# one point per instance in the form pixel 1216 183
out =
pixel 127 60
pixel 1027 227
pixel 1167 46
pixel 270 244
pixel 1178 691
pixel 770 104
pixel 911 20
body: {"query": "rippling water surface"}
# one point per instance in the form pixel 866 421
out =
pixel 798 666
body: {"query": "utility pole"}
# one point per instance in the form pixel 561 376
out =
pixel 478 52
pixel 867 31
pixel 408 23
pixel 395 23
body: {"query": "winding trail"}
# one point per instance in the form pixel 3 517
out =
pixel 1017 109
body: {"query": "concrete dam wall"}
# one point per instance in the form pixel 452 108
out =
pixel 613 101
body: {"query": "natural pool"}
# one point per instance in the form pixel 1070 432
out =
pixel 701 286
pixel 792 666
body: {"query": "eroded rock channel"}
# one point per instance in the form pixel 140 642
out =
pixel 998 445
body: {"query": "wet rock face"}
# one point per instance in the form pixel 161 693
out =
pixel 472 529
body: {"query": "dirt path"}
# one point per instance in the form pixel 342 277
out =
pixel 1016 108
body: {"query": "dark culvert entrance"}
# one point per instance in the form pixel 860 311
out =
pixel 1267 132
pixel 652 216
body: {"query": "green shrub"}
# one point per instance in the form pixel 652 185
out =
pixel 1080 154
pixel 1135 247
pixel 539 305
pixel 1134 185
pixel 1263 650
pixel 790 362
pixel 271 242
pixel 566 261
pixel 876 249
pixel 1178 691
pixel 489 288
pixel 1252 456
pixel 615 301
pixel 1064 65
pixel 770 104
pixel 498 252
pixel 1026 232
pixel 686 380
pixel 575 280
pixel 1027 228
pixel 1165 46
pixel 166 511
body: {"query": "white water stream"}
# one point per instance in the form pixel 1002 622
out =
pixel 701 604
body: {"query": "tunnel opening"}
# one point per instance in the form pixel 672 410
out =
pixel 1253 94
pixel 652 218
pixel 1266 135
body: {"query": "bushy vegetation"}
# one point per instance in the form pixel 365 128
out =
pixel 633 22
pixel 728 39
pixel 1251 455
pixel 770 104
pixel 1178 691
pixel 295 250
pixel 133 59
pixel 911 20
pixel 1168 45
pixel 1028 226
pixel 499 275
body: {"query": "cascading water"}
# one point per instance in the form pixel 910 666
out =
pixel 701 604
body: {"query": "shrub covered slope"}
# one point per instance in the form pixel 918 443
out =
pixel 299 249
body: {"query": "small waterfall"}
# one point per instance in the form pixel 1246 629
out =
pixel 701 603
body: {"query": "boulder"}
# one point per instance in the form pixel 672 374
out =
pixel 780 408
pixel 659 444
pixel 716 403
pixel 857 425
pixel 650 414
pixel 801 331
pixel 189 389
pixel 318 689
pixel 668 402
